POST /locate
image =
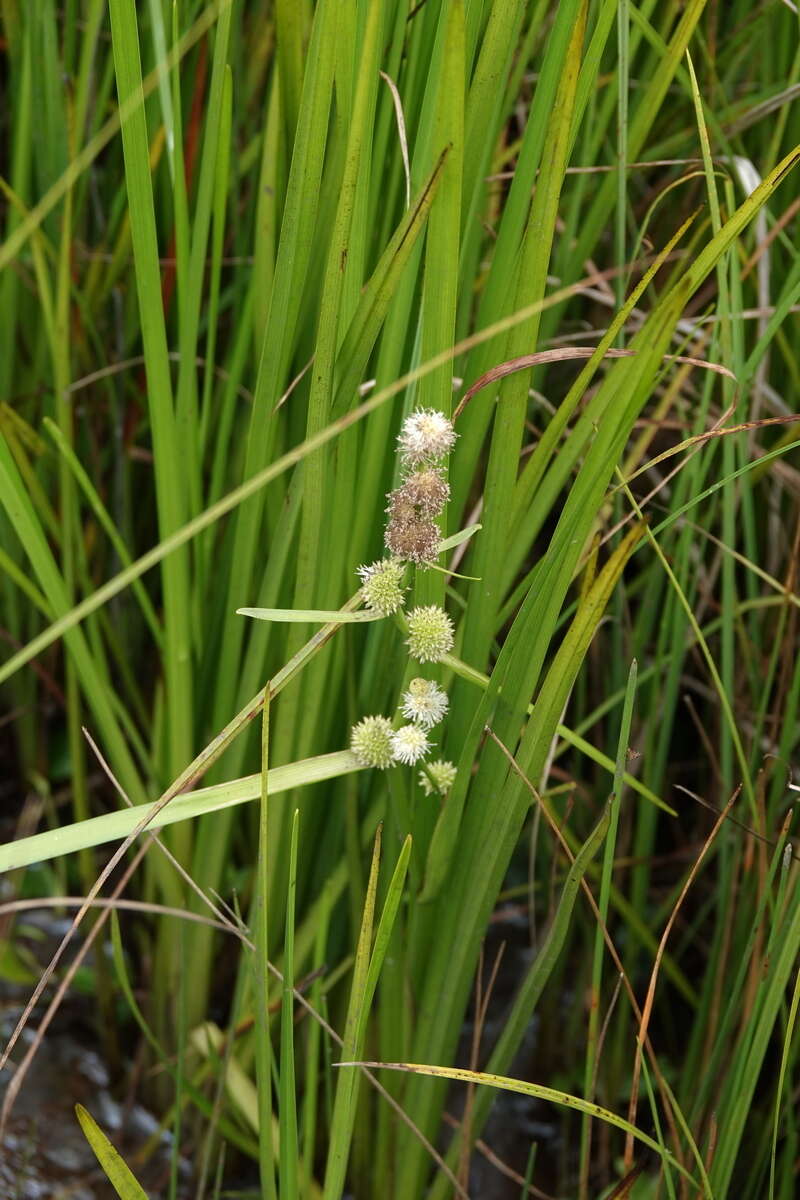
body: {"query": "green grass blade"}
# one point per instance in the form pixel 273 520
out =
pixel 200 1101
pixel 623 746
pixel 23 519
pixel 261 980
pixel 310 616
pixel 512 404
pixel 787 1043
pixel 114 826
pixel 366 970
pixel 187 428
pixel 287 1099
pixel 550 1095
pixel 537 975
pixel 116 1171
pixel 168 459
pixel 103 516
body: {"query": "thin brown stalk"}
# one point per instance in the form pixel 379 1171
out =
pixel 554 825
pixel 647 1008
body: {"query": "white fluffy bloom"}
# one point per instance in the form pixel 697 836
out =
pixel 410 744
pixel 424 702
pixel 426 436
pixel 438 776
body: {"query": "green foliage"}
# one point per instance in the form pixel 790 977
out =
pixel 116 1170
pixel 239 246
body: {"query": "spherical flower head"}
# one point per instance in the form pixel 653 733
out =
pixel 382 585
pixel 426 436
pixel 424 492
pixel 410 744
pixel 430 633
pixel 371 742
pixel 415 539
pixel 424 702
pixel 400 508
pixel 438 776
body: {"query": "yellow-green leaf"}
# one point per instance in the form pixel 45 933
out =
pixel 117 1171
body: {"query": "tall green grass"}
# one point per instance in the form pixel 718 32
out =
pixel 239 247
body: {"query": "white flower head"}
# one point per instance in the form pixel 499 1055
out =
pixel 430 633
pixel 438 776
pixel 410 744
pixel 371 742
pixel 382 585
pixel 424 702
pixel 426 436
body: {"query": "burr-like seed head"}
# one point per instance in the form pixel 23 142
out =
pixel 415 539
